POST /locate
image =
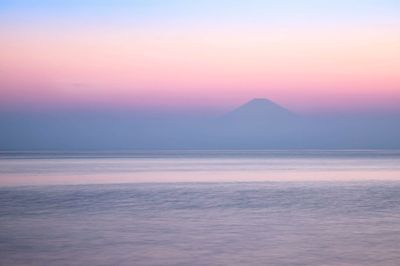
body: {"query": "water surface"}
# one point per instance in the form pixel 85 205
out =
pixel 295 208
pixel 197 166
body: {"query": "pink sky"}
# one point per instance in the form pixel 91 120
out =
pixel 306 69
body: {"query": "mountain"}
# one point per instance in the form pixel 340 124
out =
pixel 257 124
pixel 260 109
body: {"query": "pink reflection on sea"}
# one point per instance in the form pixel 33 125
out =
pixel 199 167
pixel 203 176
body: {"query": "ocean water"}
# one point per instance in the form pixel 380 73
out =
pixel 200 208
pixel 197 166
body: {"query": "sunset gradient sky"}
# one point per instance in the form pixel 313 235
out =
pixel 308 55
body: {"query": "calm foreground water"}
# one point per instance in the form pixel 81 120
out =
pixel 295 208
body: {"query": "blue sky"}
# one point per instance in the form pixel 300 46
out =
pixel 217 11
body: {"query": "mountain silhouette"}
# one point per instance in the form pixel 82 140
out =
pixel 257 124
pixel 260 111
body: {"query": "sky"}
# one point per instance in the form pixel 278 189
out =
pixel 211 55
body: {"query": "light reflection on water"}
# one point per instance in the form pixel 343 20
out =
pixel 202 166
pixel 346 221
pixel 336 223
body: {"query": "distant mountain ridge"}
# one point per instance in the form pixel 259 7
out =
pixel 261 107
pixel 257 124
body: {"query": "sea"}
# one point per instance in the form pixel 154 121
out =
pixel 295 207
